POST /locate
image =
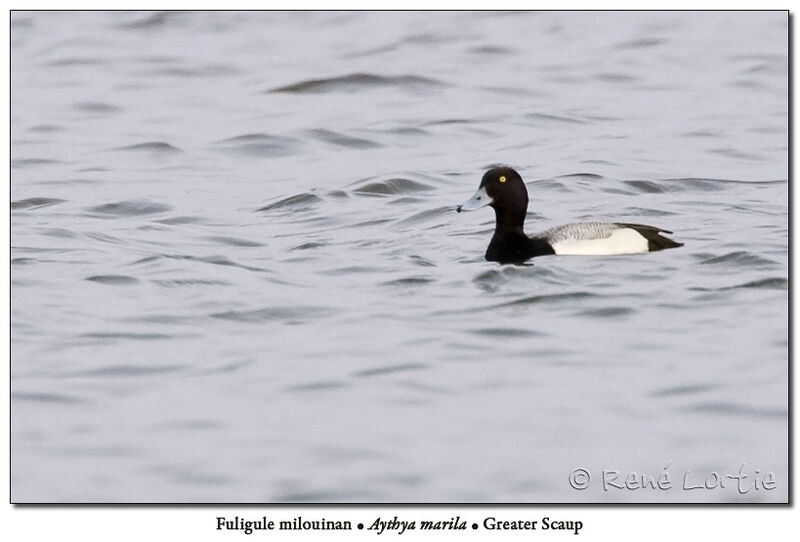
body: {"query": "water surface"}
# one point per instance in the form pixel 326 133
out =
pixel 238 274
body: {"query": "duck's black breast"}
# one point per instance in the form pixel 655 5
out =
pixel 514 247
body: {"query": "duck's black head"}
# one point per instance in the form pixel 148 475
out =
pixel 503 189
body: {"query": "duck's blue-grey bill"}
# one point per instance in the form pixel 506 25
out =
pixel 478 200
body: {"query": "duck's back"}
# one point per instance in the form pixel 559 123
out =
pixel 605 238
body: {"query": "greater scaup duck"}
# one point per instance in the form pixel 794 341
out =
pixel 502 188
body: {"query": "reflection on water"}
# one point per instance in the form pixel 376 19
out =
pixel 238 274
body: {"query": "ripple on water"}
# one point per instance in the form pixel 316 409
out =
pixel 47 128
pixel 151 21
pixel 341 140
pixel 492 50
pixel 390 187
pixel 548 118
pixel 181 475
pixel 322 385
pixel 308 246
pixel 265 145
pixel 406 200
pixel 681 390
pixel 774 283
pixel 737 154
pixel 408 281
pixel 506 332
pixel 492 279
pixel 351 270
pixel 177 283
pixel 77 61
pixel 129 208
pixel 116 335
pixel 450 121
pixel 217 260
pixel 735 410
pixel 35 203
pixel 17 163
pixel 642 43
pixel 714 184
pixel 546 298
pixel 647 187
pixel 306 199
pixel 645 211
pixel 700 184
pixel 43 397
pixel 187 425
pixel 201 70
pixel 112 279
pixel 607 312
pixel 99 108
pixel 737 258
pixel 582 176
pixel 234 241
pixel 156 147
pixel 615 77
pixel 356 82
pixel 127 370
pixel 390 369
pixel 105 238
pixel 420 261
pixel 406 131
pixel 101 451
pixel 181 220
pixel 156 259
pixel 425 216
pixel 321 496
pixel 288 314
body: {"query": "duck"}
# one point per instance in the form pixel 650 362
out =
pixel 503 189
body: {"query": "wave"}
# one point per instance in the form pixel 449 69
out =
pixel 356 82
pixel 394 186
pixel 129 208
pixel 35 203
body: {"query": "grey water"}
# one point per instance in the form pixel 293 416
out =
pixel 238 274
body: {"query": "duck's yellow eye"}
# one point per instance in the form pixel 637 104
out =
pixel 502 178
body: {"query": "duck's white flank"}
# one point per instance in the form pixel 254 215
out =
pixel 620 241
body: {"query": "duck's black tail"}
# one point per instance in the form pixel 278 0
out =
pixel 655 241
